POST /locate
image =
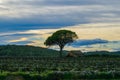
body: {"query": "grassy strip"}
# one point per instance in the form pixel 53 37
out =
pixel 50 75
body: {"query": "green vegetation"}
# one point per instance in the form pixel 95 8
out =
pixel 49 75
pixel 37 68
pixel 103 54
pixel 61 38
pixel 35 63
pixel 15 50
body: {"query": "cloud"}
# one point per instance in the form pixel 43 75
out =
pixel 51 2
pixel 60 2
pixel 28 32
pixel 37 14
pixel 88 42
pixel 18 40
pixel 116 49
pixel 84 32
pixel 36 36
pixel 21 42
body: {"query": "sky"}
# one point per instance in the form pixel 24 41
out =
pixel 30 22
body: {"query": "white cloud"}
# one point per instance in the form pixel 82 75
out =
pixel 58 13
pixel 18 40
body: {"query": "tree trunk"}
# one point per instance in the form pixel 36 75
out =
pixel 61 49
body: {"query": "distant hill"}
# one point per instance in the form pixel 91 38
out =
pixel 24 50
pixel 102 53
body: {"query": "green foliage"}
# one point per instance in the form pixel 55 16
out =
pixel 61 38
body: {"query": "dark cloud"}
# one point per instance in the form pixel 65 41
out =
pixel 88 42
pixel 61 2
pixel 41 22
pixel 116 49
pixel 37 14
pixel 17 35
pixel 53 2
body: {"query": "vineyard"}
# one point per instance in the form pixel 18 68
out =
pixel 84 65
pixel 56 68
pixel 38 64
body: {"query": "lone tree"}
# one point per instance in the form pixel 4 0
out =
pixel 61 38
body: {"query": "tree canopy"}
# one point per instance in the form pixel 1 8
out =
pixel 61 38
